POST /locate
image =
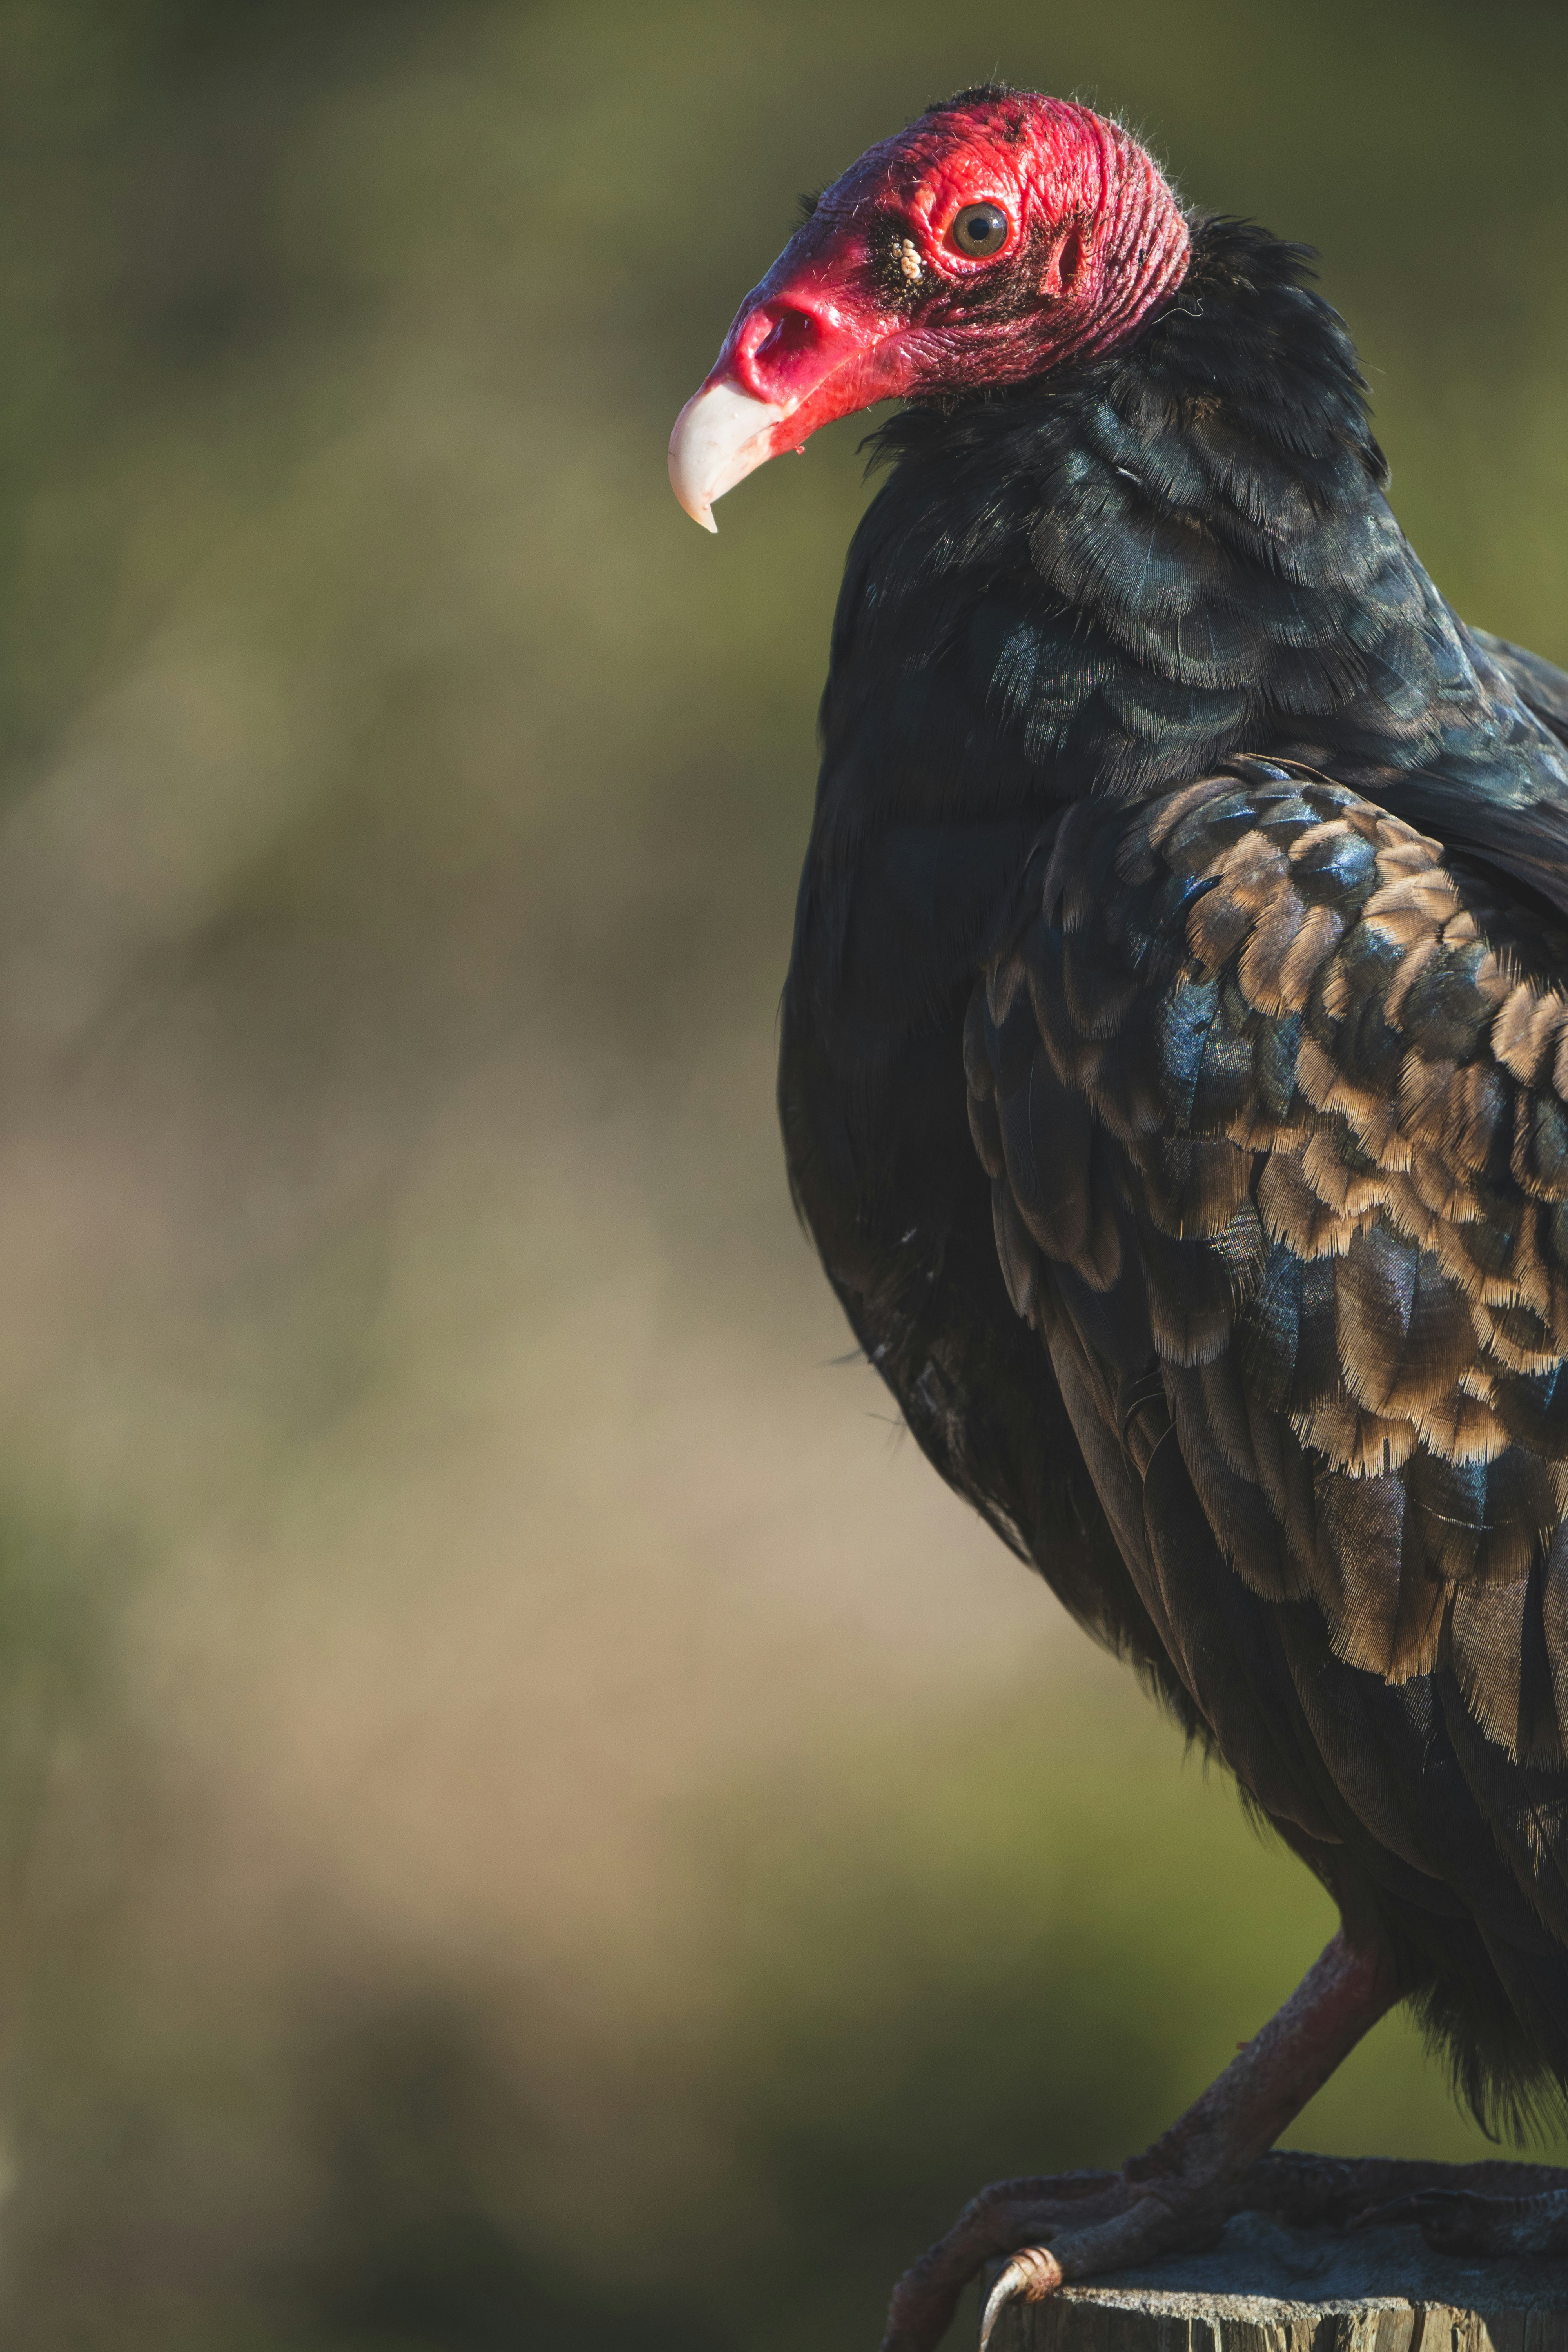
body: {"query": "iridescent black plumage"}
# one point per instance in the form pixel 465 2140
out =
pixel 1240 1312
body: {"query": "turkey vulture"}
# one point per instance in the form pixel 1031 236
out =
pixel 1174 1082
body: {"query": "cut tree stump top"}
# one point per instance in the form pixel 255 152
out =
pixel 1269 2287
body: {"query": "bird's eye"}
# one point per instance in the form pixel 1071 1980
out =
pixel 980 229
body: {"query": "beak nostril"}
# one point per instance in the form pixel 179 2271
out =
pixel 778 365
pixel 784 329
pixel 779 345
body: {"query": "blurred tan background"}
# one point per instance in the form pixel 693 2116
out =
pixel 527 1817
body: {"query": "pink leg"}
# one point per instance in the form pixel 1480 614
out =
pixel 1178 2194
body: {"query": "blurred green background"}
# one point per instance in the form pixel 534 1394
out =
pixel 526 1817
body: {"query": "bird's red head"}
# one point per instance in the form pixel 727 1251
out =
pixel 1000 234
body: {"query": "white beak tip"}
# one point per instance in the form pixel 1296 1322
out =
pixel 693 503
pixel 720 437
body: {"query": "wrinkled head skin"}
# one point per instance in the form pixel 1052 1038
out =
pixel 999 234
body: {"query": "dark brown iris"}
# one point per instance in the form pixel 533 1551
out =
pixel 979 230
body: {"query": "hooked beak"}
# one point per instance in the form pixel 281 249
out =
pixel 794 359
pixel 721 435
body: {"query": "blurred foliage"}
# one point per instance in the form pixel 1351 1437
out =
pixel 528 1818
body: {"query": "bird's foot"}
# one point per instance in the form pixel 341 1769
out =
pixel 1468 2222
pixel 1080 2223
pixel 1146 2213
pixel 1063 2227
pixel 1176 2196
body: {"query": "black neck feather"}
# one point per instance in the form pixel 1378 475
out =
pixel 1114 576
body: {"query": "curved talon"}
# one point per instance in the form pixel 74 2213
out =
pixel 1465 2221
pixel 1387 2216
pixel 1456 2221
pixel 1029 2277
pixel 1006 2215
pixel 1421 2206
pixel 1456 2224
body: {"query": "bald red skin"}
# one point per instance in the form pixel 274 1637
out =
pixel 1096 239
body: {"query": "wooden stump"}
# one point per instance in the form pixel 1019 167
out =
pixel 1269 2287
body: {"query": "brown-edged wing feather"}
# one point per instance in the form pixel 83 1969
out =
pixel 1274 1096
